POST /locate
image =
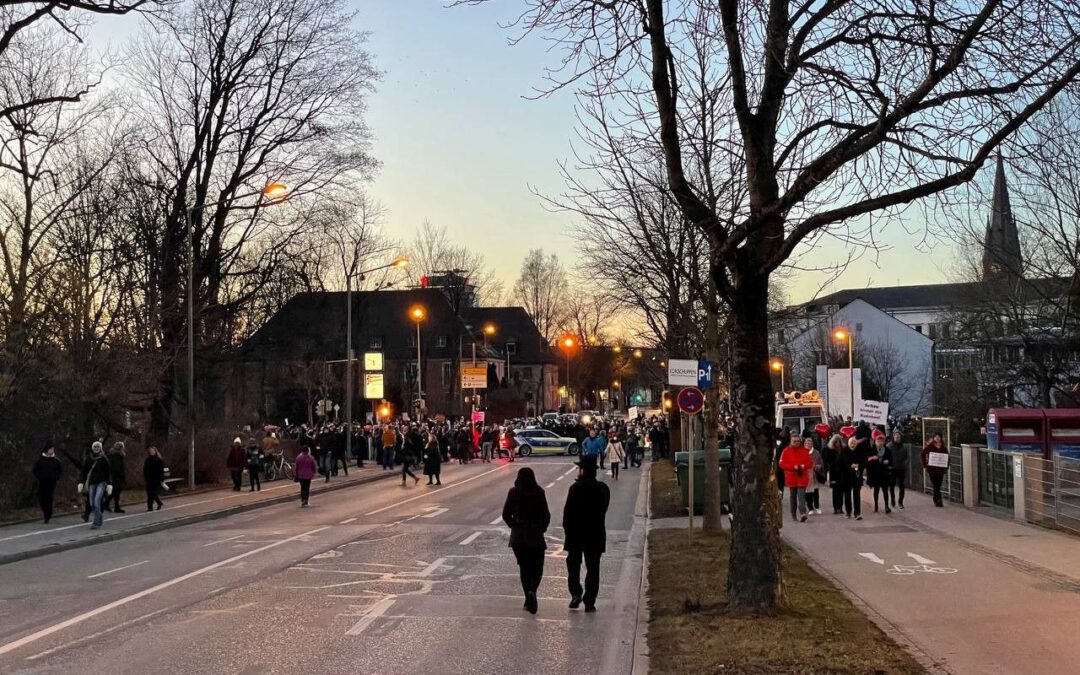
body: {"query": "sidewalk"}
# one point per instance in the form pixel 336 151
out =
pixel 971 593
pixel 29 540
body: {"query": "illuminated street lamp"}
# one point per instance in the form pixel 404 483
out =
pixel 778 366
pixel 840 335
pixel 271 193
pixel 637 354
pixel 567 342
pixel 417 313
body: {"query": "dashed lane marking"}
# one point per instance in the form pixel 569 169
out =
pixel 117 569
pixel 471 538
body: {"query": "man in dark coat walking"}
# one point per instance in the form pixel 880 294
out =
pixel 584 532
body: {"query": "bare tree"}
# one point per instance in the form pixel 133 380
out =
pixel 233 95
pixel 541 289
pixel 918 97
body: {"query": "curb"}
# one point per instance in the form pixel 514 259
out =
pixel 927 661
pixel 178 522
pixel 640 663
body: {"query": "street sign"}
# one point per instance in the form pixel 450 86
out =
pixel 373 361
pixel 682 372
pixel 373 386
pixel 691 400
pixel 704 374
pixel 474 377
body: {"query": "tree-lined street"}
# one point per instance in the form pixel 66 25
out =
pixel 374 578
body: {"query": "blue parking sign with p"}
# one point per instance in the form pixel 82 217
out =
pixel 704 374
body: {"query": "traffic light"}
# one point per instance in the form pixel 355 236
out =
pixel 668 403
pixel 385 411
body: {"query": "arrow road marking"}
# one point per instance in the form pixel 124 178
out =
pixel 921 560
pixel 872 557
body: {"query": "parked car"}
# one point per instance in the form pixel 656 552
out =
pixel 542 441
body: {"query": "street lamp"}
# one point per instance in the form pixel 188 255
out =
pixel 778 366
pixel 567 342
pixel 397 263
pixel 840 335
pixel 637 354
pixel 274 194
pixel 417 313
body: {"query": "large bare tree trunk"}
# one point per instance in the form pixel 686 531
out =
pixel 754 579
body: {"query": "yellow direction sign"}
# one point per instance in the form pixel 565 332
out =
pixel 473 377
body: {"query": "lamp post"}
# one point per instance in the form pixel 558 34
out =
pixel 840 335
pixel 778 366
pixel 399 263
pixel 417 313
pixel 568 343
pixel 275 193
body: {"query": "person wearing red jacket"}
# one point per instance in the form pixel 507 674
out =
pixel 306 469
pixel 235 462
pixel 797 463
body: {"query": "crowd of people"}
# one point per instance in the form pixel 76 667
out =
pixel 853 456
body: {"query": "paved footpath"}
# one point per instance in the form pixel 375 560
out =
pixel 33 539
pixel 968 592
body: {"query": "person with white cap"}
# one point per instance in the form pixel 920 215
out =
pixel 94 482
pixel 235 463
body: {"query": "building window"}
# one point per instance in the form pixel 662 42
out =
pixel 411 341
pixel 858 328
pixel 375 342
pixel 440 341
pixel 780 335
pixel 447 374
pixel 933 331
pixel 918 329
pixel 511 348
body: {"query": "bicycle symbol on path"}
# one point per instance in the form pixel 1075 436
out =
pixel 923 565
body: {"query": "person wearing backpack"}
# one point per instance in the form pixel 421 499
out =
pixel 254 458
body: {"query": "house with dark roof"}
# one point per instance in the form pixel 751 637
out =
pixel 529 365
pixel 299 356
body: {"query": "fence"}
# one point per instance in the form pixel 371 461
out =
pixel 1052 492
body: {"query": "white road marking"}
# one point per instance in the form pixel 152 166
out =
pixel 872 557
pixel 377 610
pixel 426 572
pixel 75 620
pixel 429 494
pixel 434 511
pixel 346 521
pixel 921 560
pixel 222 541
pixel 549 485
pixel 570 471
pixel 125 567
pixel 94 636
pixel 561 477
pixel 470 539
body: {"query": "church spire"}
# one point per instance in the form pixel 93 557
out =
pixel 1002 258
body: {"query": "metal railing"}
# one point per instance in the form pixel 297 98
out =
pixel 1052 492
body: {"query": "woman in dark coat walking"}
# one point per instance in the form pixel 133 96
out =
pixel 433 460
pixel 47 470
pixel 526 512
pixel 153 471
pixel 879 471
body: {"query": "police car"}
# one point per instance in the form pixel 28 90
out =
pixel 543 441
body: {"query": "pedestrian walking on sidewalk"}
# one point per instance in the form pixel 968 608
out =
pixel 117 476
pixel 254 458
pixel 235 463
pixel 879 470
pixel 153 471
pixel 306 470
pixel 852 465
pixel 900 458
pixel 934 455
pixel 796 462
pixel 615 455
pixel 433 460
pixel 817 477
pixel 526 513
pixel 94 482
pixel 47 470
pixel 584 533
pixel 835 471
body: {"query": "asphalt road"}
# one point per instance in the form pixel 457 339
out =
pixel 373 579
